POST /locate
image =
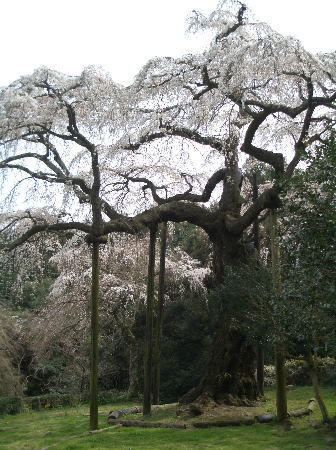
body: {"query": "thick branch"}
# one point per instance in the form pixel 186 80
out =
pixel 276 160
pixel 300 144
pixel 174 212
pixel 218 176
pixel 268 199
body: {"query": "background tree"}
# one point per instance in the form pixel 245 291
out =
pixel 58 331
pixel 309 257
pixel 10 377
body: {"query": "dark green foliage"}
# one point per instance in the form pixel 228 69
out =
pixel 309 251
pixel 245 299
pixel 11 405
pixel 16 405
pixel 34 293
pixel 192 240
pixel 106 397
pixel 185 345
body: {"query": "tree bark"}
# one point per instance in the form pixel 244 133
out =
pixel 148 357
pixel 94 338
pixel 159 314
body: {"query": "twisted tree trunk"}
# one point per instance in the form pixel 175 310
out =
pixel 230 374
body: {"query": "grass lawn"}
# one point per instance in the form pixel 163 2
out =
pixel 61 429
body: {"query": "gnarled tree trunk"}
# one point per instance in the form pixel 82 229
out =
pixel 230 374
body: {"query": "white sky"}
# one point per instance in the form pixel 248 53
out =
pixel 122 35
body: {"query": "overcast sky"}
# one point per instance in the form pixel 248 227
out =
pixel 122 35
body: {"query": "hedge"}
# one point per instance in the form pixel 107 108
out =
pixel 15 405
pixel 106 397
pixel 11 405
pixel 298 375
pixel 51 401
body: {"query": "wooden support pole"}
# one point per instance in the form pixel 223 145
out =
pixel 94 338
pixel 159 314
pixel 281 394
pixel 148 356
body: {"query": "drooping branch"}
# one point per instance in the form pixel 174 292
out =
pixel 47 227
pixel 233 28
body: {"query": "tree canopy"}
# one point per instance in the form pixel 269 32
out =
pixel 253 91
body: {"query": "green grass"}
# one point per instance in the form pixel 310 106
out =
pixel 60 428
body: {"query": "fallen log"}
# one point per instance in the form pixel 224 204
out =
pixel 133 410
pixel 304 411
pixel 122 412
pixel 224 423
pixel 265 418
pixel 140 423
pixel 8 428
